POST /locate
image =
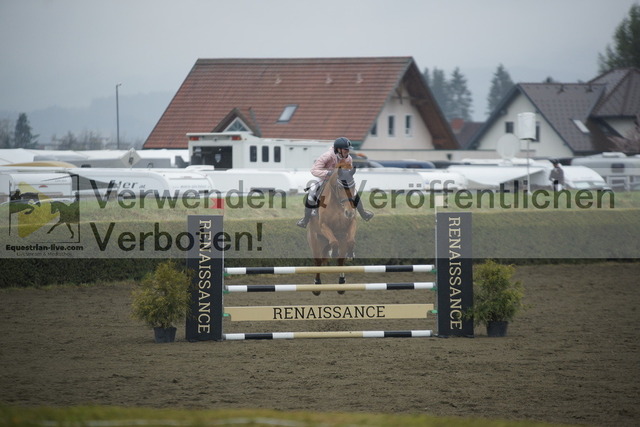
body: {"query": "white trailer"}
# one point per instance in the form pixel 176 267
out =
pixel 34 184
pixel 241 150
pixel 243 181
pixel 143 183
pixel 619 171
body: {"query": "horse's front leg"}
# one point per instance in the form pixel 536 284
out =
pixel 54 226
pixel 333 247
pixel 319 257
pixel 350 241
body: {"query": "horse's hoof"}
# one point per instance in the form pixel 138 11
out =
pixel 342 280
pixel 341 292
pixel 316 293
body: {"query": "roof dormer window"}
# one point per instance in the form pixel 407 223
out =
pixel 237 125
pixel 287 113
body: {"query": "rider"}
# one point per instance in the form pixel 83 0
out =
pixel 322 169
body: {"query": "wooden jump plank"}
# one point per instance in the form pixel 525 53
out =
pixel 329 312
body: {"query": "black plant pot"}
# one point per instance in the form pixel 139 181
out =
pixel 165 334
pixel 497 328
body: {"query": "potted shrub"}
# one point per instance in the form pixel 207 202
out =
pixel 162 299
pixel 496 298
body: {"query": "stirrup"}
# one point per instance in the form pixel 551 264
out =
pixel 366 215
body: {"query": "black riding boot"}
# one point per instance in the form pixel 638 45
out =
pixel 307 217
pixel 365 214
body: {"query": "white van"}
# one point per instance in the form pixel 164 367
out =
pixel 583 178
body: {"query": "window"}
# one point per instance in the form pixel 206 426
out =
pixel 392 126
pixel 508 127
pixel 253 153
pixel 287 113
pixel 265 153
pixel 374 129
pixel 581 126
pixel 617 167
pixel 237 126
pixel 277 154
pixel 408 131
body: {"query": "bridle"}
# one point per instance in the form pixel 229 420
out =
pixel 345 180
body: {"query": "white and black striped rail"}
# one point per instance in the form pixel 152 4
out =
pixel 328 334
pixel 332 287
pixel 418 268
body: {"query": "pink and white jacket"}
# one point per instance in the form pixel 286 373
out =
pixel 324 165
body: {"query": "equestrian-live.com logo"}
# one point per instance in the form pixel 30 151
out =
pixel 37 216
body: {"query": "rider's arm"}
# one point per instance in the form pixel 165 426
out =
pixel 321 167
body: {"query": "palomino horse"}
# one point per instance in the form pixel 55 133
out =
pixel 332 232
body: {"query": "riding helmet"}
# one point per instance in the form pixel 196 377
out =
pixel 342 142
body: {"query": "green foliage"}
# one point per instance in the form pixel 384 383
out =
pixel 23 138
pixel 37 272
pixel 495 296
pixel 461 99
pixel 453 96
pixel 625 52
pixel 162 297
pixel 6 136
pixel 501 84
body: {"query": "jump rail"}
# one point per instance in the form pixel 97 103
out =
pixel 420 268
pixel 343 287
pixel 332 334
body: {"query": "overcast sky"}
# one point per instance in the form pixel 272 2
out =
pixel 68 52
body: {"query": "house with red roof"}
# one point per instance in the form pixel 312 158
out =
pixel 382 104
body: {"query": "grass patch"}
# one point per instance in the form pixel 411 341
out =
pixel 114 416
pixel 125 240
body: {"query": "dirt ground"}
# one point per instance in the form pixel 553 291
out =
pixel 572 357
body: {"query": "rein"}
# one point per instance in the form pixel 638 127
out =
pixel 346 184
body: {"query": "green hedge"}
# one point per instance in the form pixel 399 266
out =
pixel 51 271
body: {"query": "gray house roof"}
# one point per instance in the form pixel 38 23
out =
pixel 622 97
pixel 560 104
pixel 612 95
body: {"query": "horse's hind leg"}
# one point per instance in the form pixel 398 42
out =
pixel 69 227
pixel 346 252
pixel 342 279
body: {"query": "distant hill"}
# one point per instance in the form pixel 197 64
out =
pixel 138 115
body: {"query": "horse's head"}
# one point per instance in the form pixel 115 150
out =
pixel 343 187
pixel 55 206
